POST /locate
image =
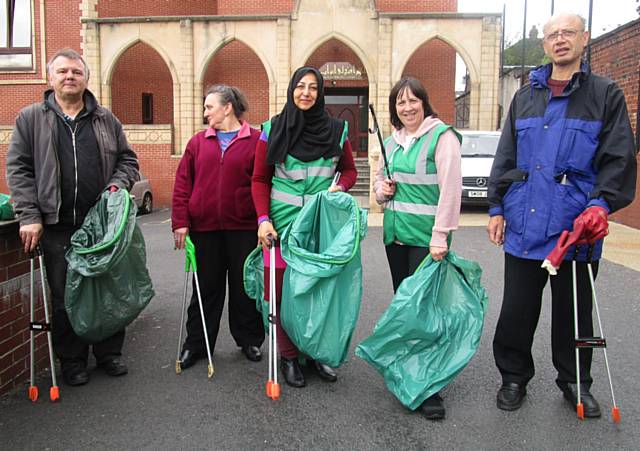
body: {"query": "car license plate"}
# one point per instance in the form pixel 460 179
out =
pixel 477 194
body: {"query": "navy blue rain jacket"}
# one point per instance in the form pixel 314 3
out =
pixel 558 156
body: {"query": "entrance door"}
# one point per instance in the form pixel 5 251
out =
pixel 350 104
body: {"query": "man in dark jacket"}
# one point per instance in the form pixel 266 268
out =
pixel 63 153
pixel 566 155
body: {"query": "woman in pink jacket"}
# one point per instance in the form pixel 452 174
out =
pixel 422 193
pixel 212 204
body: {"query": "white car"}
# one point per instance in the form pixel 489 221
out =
pixel 478 149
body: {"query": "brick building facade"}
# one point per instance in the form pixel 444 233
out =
pixel 615 55
pixel 151 61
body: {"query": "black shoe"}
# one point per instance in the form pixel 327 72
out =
pixel 589 403
pixel 433 407
pixel 113 367
pixel 325 372
pixel 511 396
pixel 252 353
pixel 292 373
pixel 74 373
pixel 188 358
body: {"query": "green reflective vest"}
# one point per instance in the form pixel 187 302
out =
pixel 294 182
pixel 409 217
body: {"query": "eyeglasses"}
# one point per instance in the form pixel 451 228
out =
pixel 569 33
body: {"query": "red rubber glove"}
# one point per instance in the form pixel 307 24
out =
pixel 113 188
pixel 596 226
pixel 567 239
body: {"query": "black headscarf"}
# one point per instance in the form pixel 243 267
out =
pixel 305 135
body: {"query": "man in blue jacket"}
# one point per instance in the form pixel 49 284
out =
pixel 566 154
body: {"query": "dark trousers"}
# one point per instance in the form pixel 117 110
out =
pixel 66 344
pixel 403 261
pixel 286 348
pixel 524 281
pixel 220 256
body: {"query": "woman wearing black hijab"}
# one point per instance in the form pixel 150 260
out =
pixel 297 155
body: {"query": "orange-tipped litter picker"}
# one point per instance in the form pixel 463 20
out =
pixel 54 391
pixel 273 388
pixel 190 264
pixel 589 342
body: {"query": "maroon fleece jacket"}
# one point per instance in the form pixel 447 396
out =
pixel 212 190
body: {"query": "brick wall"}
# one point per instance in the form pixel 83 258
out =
pixel 249 7
pixel 14 312
pixel 119 8
pixel 127 86
pixel 236 64
pixel 417 6
pixel 434 63
pixel 615 55
pixel 58 16
pixel 159 166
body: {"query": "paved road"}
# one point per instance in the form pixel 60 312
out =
pixel 153 408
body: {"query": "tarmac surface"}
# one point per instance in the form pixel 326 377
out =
pixel 153 408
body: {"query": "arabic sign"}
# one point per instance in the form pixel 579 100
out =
pixel 340 71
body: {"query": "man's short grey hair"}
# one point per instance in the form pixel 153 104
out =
pixel 583 22
pixel 70 54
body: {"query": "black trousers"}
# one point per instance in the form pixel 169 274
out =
pixel 220 256
pixel 524 281
pixel 66 344
pixel 403 261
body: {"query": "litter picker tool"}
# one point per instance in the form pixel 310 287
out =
pixel 336 178
pixel 589 342
pixel 376 130
pixel 190 265
pixel 273 388
pixel 34 327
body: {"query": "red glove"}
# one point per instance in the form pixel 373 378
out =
pixel 113 188
pixel 595 224
pixel 566 240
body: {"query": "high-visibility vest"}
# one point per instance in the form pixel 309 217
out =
pixel 294 182
pixel 409 217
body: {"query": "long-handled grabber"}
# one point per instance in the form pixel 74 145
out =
pixel 590 342
pixel 190 265
pixel 376 130
pixel 273 388
pixel 34 326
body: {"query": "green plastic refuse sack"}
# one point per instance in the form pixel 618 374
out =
pixel 253 277
pixel 6 209
pixel 107 284
pixel 322 287
pixel 430 331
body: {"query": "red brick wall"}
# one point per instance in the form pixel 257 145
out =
pixel 237 65
pixel 157 164
pixel 434 63
pixel 417 6
pixel 58 16
pixel 249 7
pixel 335 50
pixel 128 84
pixel 615 55
pixel 119 8
pixel 14 313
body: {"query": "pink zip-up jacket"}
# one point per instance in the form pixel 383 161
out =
pixel 449 172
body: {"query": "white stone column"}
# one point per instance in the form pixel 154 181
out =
pixel 90 44
pixel 278 93
pixel 184 102
pixel 487 118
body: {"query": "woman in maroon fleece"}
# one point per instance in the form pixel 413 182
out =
pixel 212 204
pixel 302 139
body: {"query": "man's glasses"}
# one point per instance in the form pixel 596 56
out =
pixel 569 33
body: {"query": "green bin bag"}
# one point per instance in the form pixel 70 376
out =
pixel 108 284
pixel 430 331
pixel 253 276
pixel 6 209
pixel 322 287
